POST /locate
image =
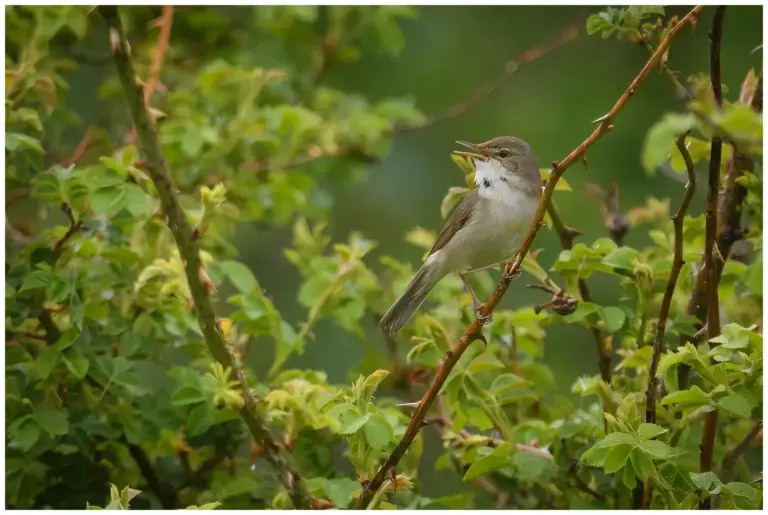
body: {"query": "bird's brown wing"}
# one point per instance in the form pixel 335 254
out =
pixel 456 220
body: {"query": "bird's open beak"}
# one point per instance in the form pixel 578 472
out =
pixel 477 154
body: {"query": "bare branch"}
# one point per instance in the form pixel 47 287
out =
pixel 461 107
pixel 674 273
pixel 474 331
pixel 157 169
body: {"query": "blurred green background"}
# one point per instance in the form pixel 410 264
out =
pixel 550 103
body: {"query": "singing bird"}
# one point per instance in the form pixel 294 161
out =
pixel 484 229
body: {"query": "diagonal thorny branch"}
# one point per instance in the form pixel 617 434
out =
pixel 157 169
pixel 474 331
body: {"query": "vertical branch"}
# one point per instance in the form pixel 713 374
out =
pixel 710 263
pixel 677 265
pixel 604 343
pixel 149 147
pixel 643 492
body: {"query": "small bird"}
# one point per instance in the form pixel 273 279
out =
pixel 484 230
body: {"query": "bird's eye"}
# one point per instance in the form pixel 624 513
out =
pixel 504 153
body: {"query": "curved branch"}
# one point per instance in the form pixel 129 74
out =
pixel 474 331
pixel 674 273
pixel 187 245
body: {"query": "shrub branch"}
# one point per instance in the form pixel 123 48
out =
pixel 710 260
pixel 604 344
pixel 674 273
pixel 474 331
pixel 157 168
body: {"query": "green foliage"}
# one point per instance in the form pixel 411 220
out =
pixel 108 379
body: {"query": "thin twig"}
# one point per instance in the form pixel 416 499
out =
pixel 157 168
pixel 710 260
pixel 674 273
pixel 482 92
pixel 574 471
pixel 461 107
pixel 166 22
pixel 474 331
pixel 74 226
pixel 80 149
pixel 164 492
pixel 604 346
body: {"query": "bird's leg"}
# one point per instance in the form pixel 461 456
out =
pixel 475 301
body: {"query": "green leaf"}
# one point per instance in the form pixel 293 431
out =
pixel 46 362
pixel 628 477
pixel 498 459
pixel 15 141
pixel 27 435
pixel 742 490
pixel 706 481
pixel 53 422
pixel 642 464
pixel 649 431
pixel 341 491
pixel 661 137
pixel 208 506
pixel 352 421
pixel 108 201
pixel 656 449
pixel 616 458
pixel 617 438
pixel 76 363
pixel 239 486
pixel 378 432
pixel 200 419
pixel 622 258
pixel 693 396
pixel 239 275
pixel 613 318
pixel 187 395
pixel 736 405
pixel 39 279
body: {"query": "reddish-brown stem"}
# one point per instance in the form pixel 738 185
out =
pixel 461 107
pixel 474 331
pixel 710 260
pixel 729 219
pixel 674 273
pixel 79 149
pixel 666 303
pixel 166 22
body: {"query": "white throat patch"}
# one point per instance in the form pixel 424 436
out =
pixel 493 181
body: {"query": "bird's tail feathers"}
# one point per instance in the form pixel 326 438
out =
pixel 410 301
